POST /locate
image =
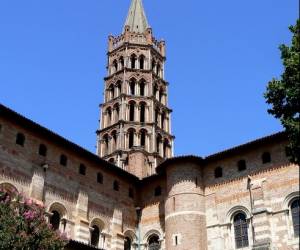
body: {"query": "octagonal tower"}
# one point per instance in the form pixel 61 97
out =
pixel 135 128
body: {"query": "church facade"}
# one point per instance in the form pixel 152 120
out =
pixel 133 194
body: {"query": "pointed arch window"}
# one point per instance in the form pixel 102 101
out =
pixel 132 87
pixel 142 61
pixel 106 144
pixel 142 112
pixel 240 230
pixel 133 61
pixel 132 111
pixel 121 60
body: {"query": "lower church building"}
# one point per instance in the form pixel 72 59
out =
pixel 133 194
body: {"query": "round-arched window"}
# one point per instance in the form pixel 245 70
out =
pixel 153 242
pixel 240 230
pixel 55 220
pixel 295 211
pixel 127 243
pixel 95 236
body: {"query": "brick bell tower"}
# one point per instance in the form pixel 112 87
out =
pixel 135 127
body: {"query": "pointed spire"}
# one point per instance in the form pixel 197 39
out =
pixel 136 18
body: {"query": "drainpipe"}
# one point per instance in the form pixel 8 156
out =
pixel 251 206
pixel 138 213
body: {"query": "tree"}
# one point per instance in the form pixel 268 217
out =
pixel 24 227
pixel 284 95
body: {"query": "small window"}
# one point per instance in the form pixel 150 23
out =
pixel 100 178
pixel 0 128
pixel 20 139
pixel 241 165
pixel 63 160
pixel 157 191
pixel 116 186
pixel 131 193
pixel 266 157
pixel 218 172
pixel 42 150
pixel 176 240
pixel 82 169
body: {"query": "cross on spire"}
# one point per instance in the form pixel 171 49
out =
pixel 136 18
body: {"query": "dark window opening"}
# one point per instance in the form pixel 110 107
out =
pixel 130 193
pixel 115 65
pixel 112 160
pixel 142 112
pixel 63 160
pixel 142 62
pixel 218 172
pixel 241 165
pixel 20 139
pixel 266 157
pixel 95 235
pixel 153 242
pixel 240 230
pixel 82 169
pixel 295 210
pixel 133 61
pixel 127 244
pixel 116 186
pixel 176 240
pixel 42 150
pixel 143 138
pixel 55 220
pixel 100 178
pixel 131 138
pixel 132 87
pixel 142 88
pixel 131 111
pixel 157 191
pixel 122 62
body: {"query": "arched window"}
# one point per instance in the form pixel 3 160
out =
pixel 116 186
pixel 55 220
pixel 158 142
pixel 142 111
pixel 95 236
pixel 142 87
pixel 266 157
pixel 161 94
pixel 153 64
pixel 115 66
pixel 99 178
pixel 106 144
pixel 142 61
pixel 295 211
pixel 112 91
pixel 121 60
pixel 133 61
pixel 157 191
pixel 131 138
pixel 109 116
pixel 143 137
pixel 132 111
pixel 241 165
pixel 20 139
pixel 114 140
pixel 163 118
pixel 166 148
pixel 63 160
pixel 132 87
pixel 130 193
pixel 218 172
pixel 240 230
pixel 158 69
pixel 42 150
pixel 117 112
pixel 153 242
pixel 119 88
pixel 127 243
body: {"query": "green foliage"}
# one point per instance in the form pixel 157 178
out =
pixel 23 225
pixel 284 95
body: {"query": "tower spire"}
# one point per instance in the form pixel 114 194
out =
pixel 136 18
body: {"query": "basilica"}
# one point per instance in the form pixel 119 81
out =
pixel 133 193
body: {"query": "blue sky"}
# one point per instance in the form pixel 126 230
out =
pixel 220 56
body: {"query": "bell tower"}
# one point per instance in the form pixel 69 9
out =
pixel 135 125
